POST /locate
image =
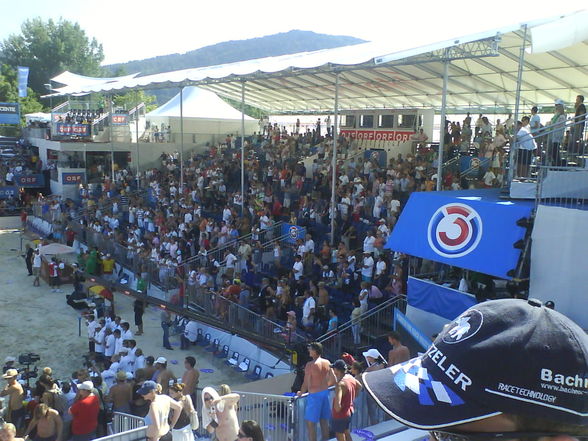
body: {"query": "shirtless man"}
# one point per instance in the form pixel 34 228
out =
pixel 163 374
pixel 15 391
pixel 318 377
pixel 8 433
pixel 399 353
pixel 48 423
pixel 190 378
pixel 121 394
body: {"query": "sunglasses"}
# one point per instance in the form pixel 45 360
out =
pixel 439 435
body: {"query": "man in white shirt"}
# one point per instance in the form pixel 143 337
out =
pixel 309 244
pixel 308 310
pixel 525 147
pixel 368 243
pixel 190 335
pixel 297 268
pixel 230 260
pixel 367 267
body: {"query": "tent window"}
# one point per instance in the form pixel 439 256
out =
pixel 406 121
pixel 386 121
pixel 348 121
pixel 366 121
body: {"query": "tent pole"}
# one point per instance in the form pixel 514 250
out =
pixel 137 146
pixel 442 125
pixel 334 161
pixel 511 155
pixel 111 138
pixel 242 148
pixel 181 140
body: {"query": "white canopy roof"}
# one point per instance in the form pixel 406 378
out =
pixel 393 74
pixel 197 103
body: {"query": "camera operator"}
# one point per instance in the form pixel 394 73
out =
pixel 8 364
pixel 16 412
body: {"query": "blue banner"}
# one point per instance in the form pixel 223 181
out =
pixel 73 178
pixel 294 232
pixel 6 192
pixel 377 155
pixel 30 181
pixel 437 299
pixel 9 113
pixel 23 81
pixel 471 165
pixel 72 129
pixel 472 229
pixel 402 320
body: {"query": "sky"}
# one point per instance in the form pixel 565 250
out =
pixel 133 30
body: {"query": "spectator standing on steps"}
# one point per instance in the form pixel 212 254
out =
pixel 166 322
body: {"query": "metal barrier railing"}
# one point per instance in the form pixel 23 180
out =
pixel 562 186
pixel 126 427
pixel 365 331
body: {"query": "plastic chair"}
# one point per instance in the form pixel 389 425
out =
pixel 243 366
pixel 214 346
pixel 224 353
pixel 269 375
pixel 255 375
pixel 206 340
pixel 233 360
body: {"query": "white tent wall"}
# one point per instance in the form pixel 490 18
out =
pixel 199 131
pixel 558 256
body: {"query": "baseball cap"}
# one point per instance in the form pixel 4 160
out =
pixel 10 373
pixel 339 365
pixel 161 360
pixel 374 353
pixel 147 387
pixel 501 356
pixel 559 102
pixel 86 385
pixel 9 359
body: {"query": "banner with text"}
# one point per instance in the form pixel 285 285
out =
pixel 9 113
pixel 73 178
pixel 7 192
pixel 294 232
pixel 72 129
pixel 120 119
pixel 30 181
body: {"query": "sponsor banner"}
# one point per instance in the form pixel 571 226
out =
pixel 10 191
pixel 469 229
pixel 402 320
pixel 72 129
pixel 9 113
pixel 437 299
pixel 23 81
pixel 379 135
pixel 294 232
pixel 473 165
pixel 120 119
pixel 74 178
pixel 30 181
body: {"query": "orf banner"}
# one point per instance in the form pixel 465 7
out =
pixel 294 232
pixel 73 129
pixel 6 192
pixel 469 229
pixel 9 113
pixel 120 119
pixel 23 81
pixel 74 178
pixel 30 181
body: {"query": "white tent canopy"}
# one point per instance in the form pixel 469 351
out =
pixel 394 74
pixel 197 103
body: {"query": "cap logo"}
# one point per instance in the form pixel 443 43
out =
pixel 464 327
pixel 412 376
pixel 454 230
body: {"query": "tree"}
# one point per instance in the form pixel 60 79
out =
pixel 48 48
pixel 9 92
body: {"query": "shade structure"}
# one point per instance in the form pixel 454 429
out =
pixel 55 249
pixel 392 74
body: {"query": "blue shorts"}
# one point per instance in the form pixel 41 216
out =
pixel 318 407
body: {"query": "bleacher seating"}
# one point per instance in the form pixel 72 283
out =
pixel 243 366
pixel 255 374
pixel 234 360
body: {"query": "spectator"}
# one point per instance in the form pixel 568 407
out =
pixel 399 353
pixel 15 393
pixel 158 418
pixel 182 430
pixel 219 414
pixel 250 431
pixel 84 413
pixel 346 390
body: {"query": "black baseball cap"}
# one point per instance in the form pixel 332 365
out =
pixel 501 356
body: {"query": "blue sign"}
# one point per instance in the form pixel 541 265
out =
pixel 30 181
pixel 471 165
pixel 23 81
pixel 401 320
pixel 469 229
pixel 437 299
pixel 6 192
pixel 73 178
pixel 9 113
pixel 378 156
pixel 292 233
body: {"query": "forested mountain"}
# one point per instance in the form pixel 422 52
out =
pixel 231 51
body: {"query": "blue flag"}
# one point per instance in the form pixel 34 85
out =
pixel 23 81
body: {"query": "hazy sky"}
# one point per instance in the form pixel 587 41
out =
pixel 130 29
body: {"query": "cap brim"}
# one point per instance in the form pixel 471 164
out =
pixel 408 394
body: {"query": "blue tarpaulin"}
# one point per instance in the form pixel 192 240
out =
pixel 437 299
